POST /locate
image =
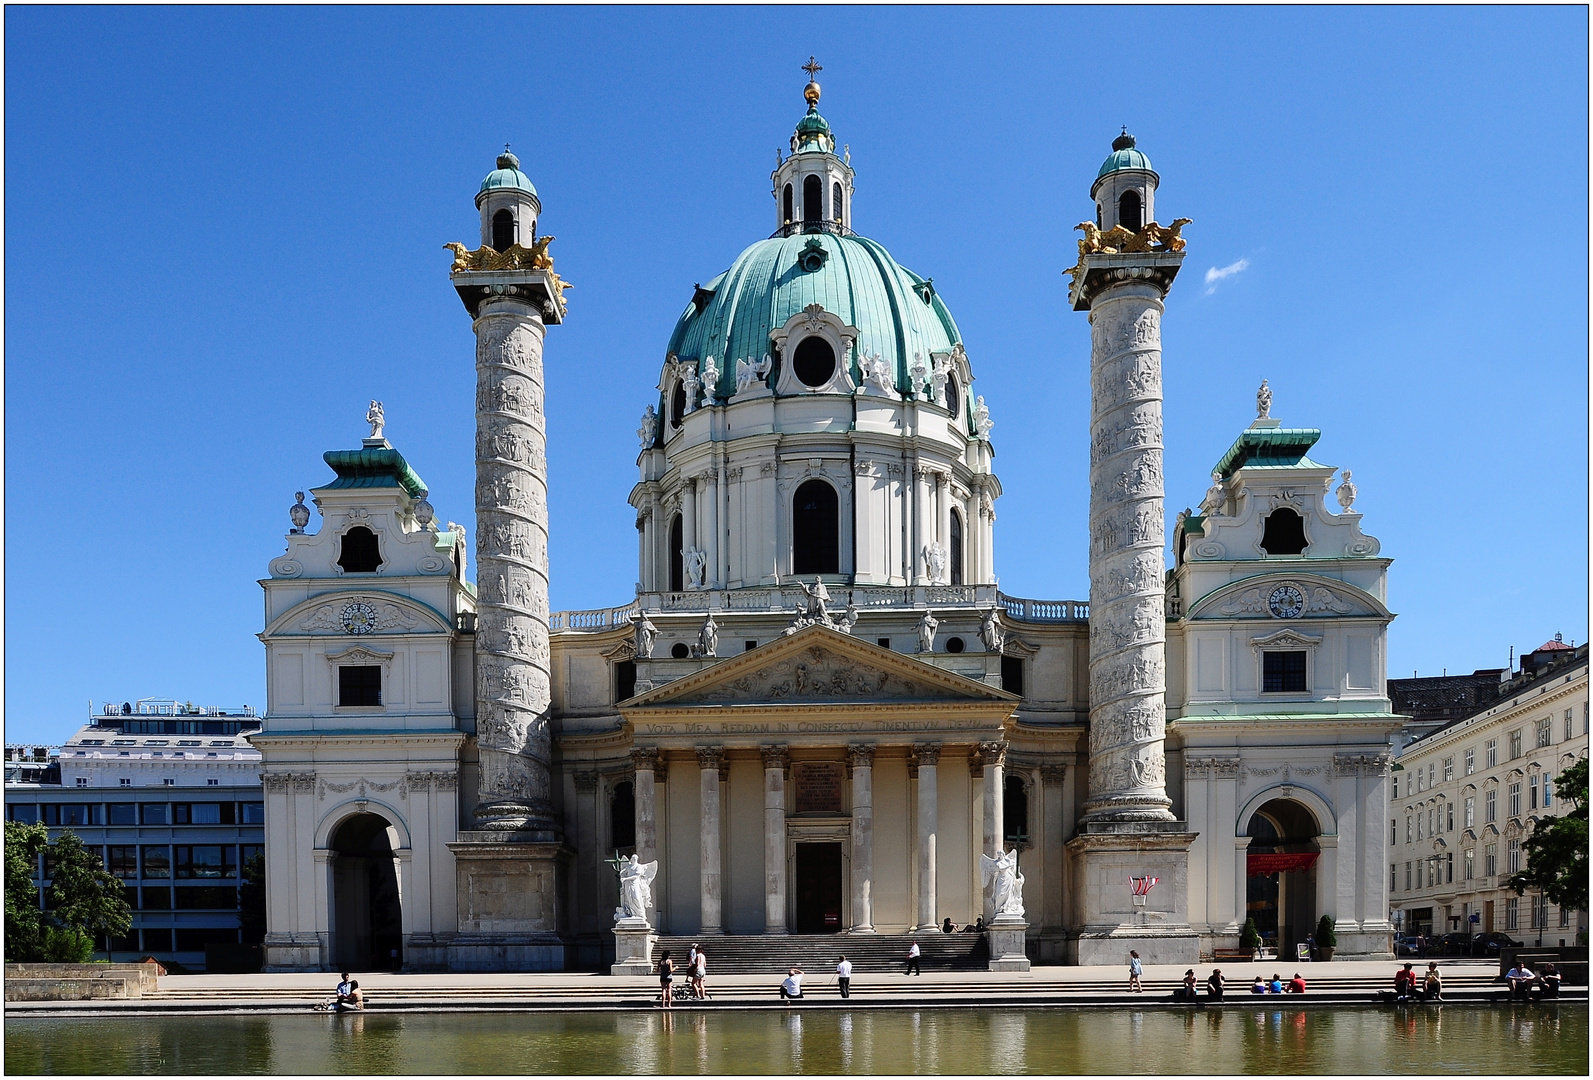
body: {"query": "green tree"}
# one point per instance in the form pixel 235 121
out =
pixel 1557 849
pixel 82 897
pixel 1249 936
pixel 252 901
pixel 1326 935
pixel 24 920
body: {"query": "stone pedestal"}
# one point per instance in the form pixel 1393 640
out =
pixel 511 908
pixel 1005 935
pixel 1103 857
pixel 633 947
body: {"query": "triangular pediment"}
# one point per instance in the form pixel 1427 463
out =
pixel 819 666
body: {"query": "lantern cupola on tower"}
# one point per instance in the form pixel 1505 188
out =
pixel 1125 187
pixel 812 187
pixel 509 205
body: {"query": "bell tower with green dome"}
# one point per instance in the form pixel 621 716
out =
pixel 1125 188
pixel 813 187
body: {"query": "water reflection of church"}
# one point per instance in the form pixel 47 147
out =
pixel 453 761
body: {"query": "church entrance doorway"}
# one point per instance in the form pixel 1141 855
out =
pixel 367 924
pixel 1281 879
pixel 818 888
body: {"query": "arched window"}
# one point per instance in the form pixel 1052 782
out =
pixel 677 404
pixel 953 400
pixel 836 204
pixel 956 547
pixel 677 552
pixel 814 361
pixel 1128 211
pixel 812 200
pixel 1015 810
pixel 789 212
pixel 1284 533
pixel 622 816
pixel 502 230
pixel 815 529
pixel 361 553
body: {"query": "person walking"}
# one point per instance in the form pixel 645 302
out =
pixel 1135 970
pixel 666 979
pixel 1214 985
pixel 1421 945
pixel 843 977
pixel 913 954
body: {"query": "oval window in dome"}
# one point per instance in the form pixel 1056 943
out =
pixel 814 361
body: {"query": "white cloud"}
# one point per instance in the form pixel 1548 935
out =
pixel 1216 274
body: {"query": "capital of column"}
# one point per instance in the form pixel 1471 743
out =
pixel 776 757
pixel 710 757
pixel 925 754
pixel 651 759
pixel 859 755
pixel 1053 774
pixel 993 753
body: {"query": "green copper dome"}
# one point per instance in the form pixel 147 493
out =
pixel 814 129
pixel 1124 156
pixel 896 311
pixel 507 176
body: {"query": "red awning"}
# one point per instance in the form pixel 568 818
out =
pixel 1271 864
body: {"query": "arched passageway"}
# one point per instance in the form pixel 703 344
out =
pixel 367 924
pixel 1280 892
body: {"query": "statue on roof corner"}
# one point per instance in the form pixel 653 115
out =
pixel 1264 402
pixel 376 419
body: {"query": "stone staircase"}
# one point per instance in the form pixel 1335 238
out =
pixel 773 954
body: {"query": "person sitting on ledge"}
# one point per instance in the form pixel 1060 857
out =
pixel 947 927
pixel 1214 985
pixel 1295 985
pixel 1548 982
pixel 1276 985
pixel 1187 991
pixel 354 1000
pixel 791 986
pixel 1258 987
pixel 1432 983
pixel 1521 979
pixel 1404 983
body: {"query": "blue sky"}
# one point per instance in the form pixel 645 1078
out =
pixel 224 235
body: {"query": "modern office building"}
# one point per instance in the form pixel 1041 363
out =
pixel 169 795
pixel 1465 797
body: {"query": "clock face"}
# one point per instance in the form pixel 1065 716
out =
pixel 359 618
pixel 1286 602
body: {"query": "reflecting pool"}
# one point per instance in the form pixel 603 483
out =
pixel 1448 1039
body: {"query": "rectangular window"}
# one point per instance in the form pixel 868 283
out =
pixel 247 852
pixel 1513 913
pixel 1490 753
pixel 1407 877
pixel 122 860
pixel 196 938
pixel 1548 790
pixel 1515 799
pixel 169 782
pixel 125 782
pixel 1432 773
pixel 1565 917
pixel 1568 723
pixel 1513 857
pixel 74 814
pixel 122 813
pixel 1419 824
pixel 1393 831
pixel 1449 817
pixel 205 861
pixel 1532 792
pixel 1490 805
pixel 1515 745
pixel 206 897
pixel 359 684
pixel 1540 912
pixel 157 898
pixel 208 813
pixel 1471 812
pixel 1432 871
pixel 1430 821
pixel 1468 863
pixel 157 814
pixel 157 862
pixel 1283 672
pixel 1490 860
pixel 1545 731
pixel 1449 768
pixel 82 781
pixel 251 813
pixel 1449 868
pixel 1407 828
pixel 1396 785
pixel 1393 877
pixel 1471 761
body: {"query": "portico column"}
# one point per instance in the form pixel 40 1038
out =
pixel 923 512
pixel 1241 874
pixel 927 757
pixel 993 755
pixel 776 760
pixel 860 762
pixel 646 760
pixel 709 758
pixel 688 520
pixel 711 577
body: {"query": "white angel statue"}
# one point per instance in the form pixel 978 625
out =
pixel 982 421
pixel 648 432
pixel 710 380
pixel 635 888
pixel 878 377
pixel 1002 872
pixel 692 385
pixel 919 375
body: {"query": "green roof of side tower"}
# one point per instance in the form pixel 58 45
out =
pixel 1124 156
pixel 373 467
pixel 507 175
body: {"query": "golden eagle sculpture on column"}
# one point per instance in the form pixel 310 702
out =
pixel 1117 239
pixel 514 257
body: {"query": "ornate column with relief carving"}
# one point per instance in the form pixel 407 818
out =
pixel 776 763
pixel 860 765
pixel 925 761
pixel 709 760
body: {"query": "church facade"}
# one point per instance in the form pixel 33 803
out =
pixel 821 710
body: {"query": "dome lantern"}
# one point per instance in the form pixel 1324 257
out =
pixel 1125 187
pixel 509 205
pixel 812 187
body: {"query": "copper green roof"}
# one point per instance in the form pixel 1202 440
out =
pixel 731 317
pixel 373 469
pixel 1275 447
pixel 507 176
pixel 1124 156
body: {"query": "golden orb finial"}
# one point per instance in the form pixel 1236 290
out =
pixel 811 90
